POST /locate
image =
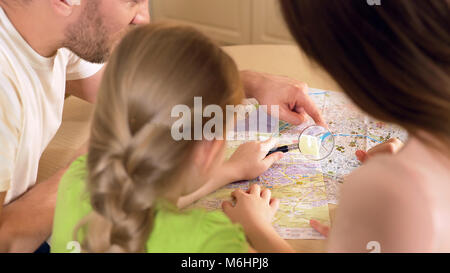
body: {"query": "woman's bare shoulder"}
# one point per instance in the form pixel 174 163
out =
pixel 383 201
pixel 387 172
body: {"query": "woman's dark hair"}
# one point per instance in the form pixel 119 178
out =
pixel 392 60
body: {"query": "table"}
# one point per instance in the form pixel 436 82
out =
pixel 286 60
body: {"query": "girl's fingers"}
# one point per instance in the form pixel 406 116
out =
pixel 274 204
pixel 269 160
pixel 319 227
pixel 266 194
pixel 237 193
pixel 255 189
pixel 268 144
pixel 227 207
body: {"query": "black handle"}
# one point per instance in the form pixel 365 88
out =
pixel 283 149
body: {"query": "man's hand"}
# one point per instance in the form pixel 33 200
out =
pixel 290 95
pixel 391 146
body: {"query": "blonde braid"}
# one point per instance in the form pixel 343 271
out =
pixel 133 159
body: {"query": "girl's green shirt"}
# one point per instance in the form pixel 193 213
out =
pixel 192 231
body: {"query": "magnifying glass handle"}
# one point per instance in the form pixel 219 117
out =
pixel 283 149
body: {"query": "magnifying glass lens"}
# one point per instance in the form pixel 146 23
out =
pixel 316 142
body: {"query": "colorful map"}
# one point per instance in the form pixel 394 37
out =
pixel 304 187
pixel 353 130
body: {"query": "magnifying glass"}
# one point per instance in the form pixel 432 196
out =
pixel 314 143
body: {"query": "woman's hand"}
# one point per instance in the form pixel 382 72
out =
pixel 391 146
pixel 319 227
pixel 249 160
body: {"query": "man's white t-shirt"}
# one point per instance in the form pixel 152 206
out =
pixel 32 91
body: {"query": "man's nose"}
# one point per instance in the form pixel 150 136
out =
pixel 143 15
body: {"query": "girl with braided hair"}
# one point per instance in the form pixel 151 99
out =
pixel 122 197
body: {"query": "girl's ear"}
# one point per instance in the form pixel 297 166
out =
pixel 207 153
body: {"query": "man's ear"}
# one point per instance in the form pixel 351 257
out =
pixel 207 152
pixel 65 7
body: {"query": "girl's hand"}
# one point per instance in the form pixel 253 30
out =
pixel 254 209
pixel 391 146
pixel 249 160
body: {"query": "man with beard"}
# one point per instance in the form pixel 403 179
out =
pixel 50 48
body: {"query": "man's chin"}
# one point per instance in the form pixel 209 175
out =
pixel 96 58
pixel 100 60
